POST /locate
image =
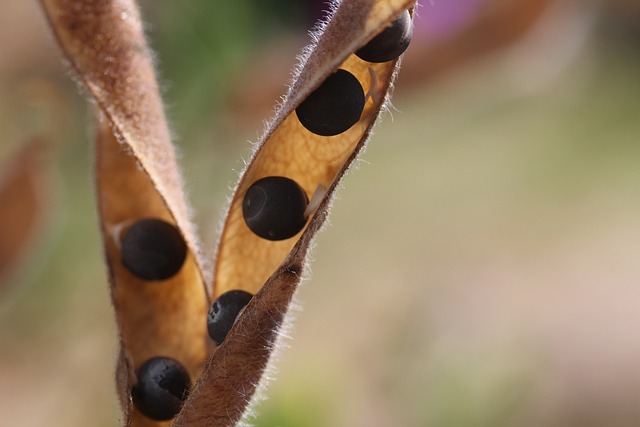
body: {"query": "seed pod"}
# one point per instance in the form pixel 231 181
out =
pixel 223 313
pixel 333 107
pixel 153 249
pixel 391 42
pixel 163 385
pixel 273 270
pixel 273 208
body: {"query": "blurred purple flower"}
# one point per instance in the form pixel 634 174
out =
pixel 436 19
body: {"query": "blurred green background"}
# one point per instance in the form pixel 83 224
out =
pixel 481 266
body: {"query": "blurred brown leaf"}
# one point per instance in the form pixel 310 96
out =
pixel 497 24
pixel 23 201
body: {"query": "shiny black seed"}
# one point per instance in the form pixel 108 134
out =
pixel 163 385
pixel 153 249
pixel 391 42
pixel 273 208
pixel 223 313
pixel 334 107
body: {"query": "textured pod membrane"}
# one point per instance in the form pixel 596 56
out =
pixel 333 107
pixel 391 42
pixel 153 249
pixel 163 385
pixel 274 208
pixel 223 313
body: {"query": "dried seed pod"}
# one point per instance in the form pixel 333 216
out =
pixel 137 177
pixel 153 249
pixel 223 313
pixel 163 385
pixel 391 42
pixel 274 206
pixel 333 107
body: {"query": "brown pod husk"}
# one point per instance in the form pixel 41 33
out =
pixel 137 178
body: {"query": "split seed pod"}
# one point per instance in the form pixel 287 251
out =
pixel 333 107
pixel 138 178
pixel 246 261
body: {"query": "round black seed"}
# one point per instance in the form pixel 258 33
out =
pixel 334 107
pixel 163 385
pixel 223 313
pixel 153 249
pixel 273 208
pixel 391 42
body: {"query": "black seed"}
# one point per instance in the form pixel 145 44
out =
pixel 163 385
pixel 334 107
pixel 223 313
pixel 273 208
pixel 153 249
pixel 391 42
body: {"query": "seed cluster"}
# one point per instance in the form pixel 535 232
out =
pixel 274 208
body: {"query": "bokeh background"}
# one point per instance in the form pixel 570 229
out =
pixel 481 267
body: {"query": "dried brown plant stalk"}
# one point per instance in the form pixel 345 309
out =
pixel 138 178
